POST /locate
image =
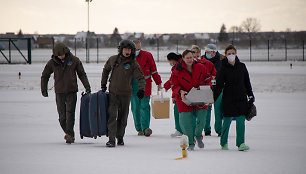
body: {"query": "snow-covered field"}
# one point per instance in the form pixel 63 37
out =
pixel 32 140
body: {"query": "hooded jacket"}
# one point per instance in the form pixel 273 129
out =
pixel 122 70
pixel 65 80
pixel 183 80
pixel 169 84
pixel 235 82
pixel 148 66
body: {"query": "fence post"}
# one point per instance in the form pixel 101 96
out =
pixel 303 50
pixel 29 51
pixel 232 42
pixel 268 50
pixel 52 42
pixel 286 49
pixel 10 51
pixel 97 50
pixel 177 43
pixel 195 42
pixel 87 50
pixel 157 41
pixel 250 50
pixel 75 46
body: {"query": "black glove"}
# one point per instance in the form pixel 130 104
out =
pixel 88 91
pixel 103 88
pixel 251 100
pixel 44 93
pixel 140 94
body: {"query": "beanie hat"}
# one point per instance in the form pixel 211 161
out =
pixel 211 47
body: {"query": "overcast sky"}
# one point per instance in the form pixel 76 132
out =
pixel 148 16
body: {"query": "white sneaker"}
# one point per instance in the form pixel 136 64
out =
pixel 176 134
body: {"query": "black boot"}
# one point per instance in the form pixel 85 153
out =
pixel 120 142
pixel 110 144
pixel 69 139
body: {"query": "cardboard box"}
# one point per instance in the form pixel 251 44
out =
pixel 199 96
pixel 160 106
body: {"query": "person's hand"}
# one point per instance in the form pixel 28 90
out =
pixel 173 100
pixel 140 94
pixel 251 100
pixel 159 87
pixel 183 93
pixel 88 91
pixel 44 93
pixel 103 88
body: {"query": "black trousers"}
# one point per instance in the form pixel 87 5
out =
pixel 118 111
pixel 66 103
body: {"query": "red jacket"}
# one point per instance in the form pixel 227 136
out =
pixel 168 84
pixel 210 68
pixel 182 80
pixel 148 66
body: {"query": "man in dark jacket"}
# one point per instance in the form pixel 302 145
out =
pixel 65 66
pixel 122 67
pixel 212 54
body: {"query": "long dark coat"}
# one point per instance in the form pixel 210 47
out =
pixel 235 82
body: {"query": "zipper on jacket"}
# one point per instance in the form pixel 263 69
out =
pixel 185 79
pixel 199 76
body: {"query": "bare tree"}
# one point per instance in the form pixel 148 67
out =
pixel 251 26
pixel 234 30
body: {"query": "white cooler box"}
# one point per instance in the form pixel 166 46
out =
pixel 199 96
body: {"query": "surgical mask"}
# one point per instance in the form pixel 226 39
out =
pixel 208 56
pixel 231 58
pixel 137 52
pixel 171 64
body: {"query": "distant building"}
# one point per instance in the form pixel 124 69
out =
pixel 82 35
pixel 44 42
pixel 201 36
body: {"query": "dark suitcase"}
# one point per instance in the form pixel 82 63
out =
pixel 98 104
pixel 84 116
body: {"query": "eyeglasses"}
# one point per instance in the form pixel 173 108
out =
pixel 188 58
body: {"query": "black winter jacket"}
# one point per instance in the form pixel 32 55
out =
pixel 235 82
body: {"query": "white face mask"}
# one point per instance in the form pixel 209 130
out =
pixel 231 58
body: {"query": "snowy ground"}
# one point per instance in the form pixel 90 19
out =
pixel 32 141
